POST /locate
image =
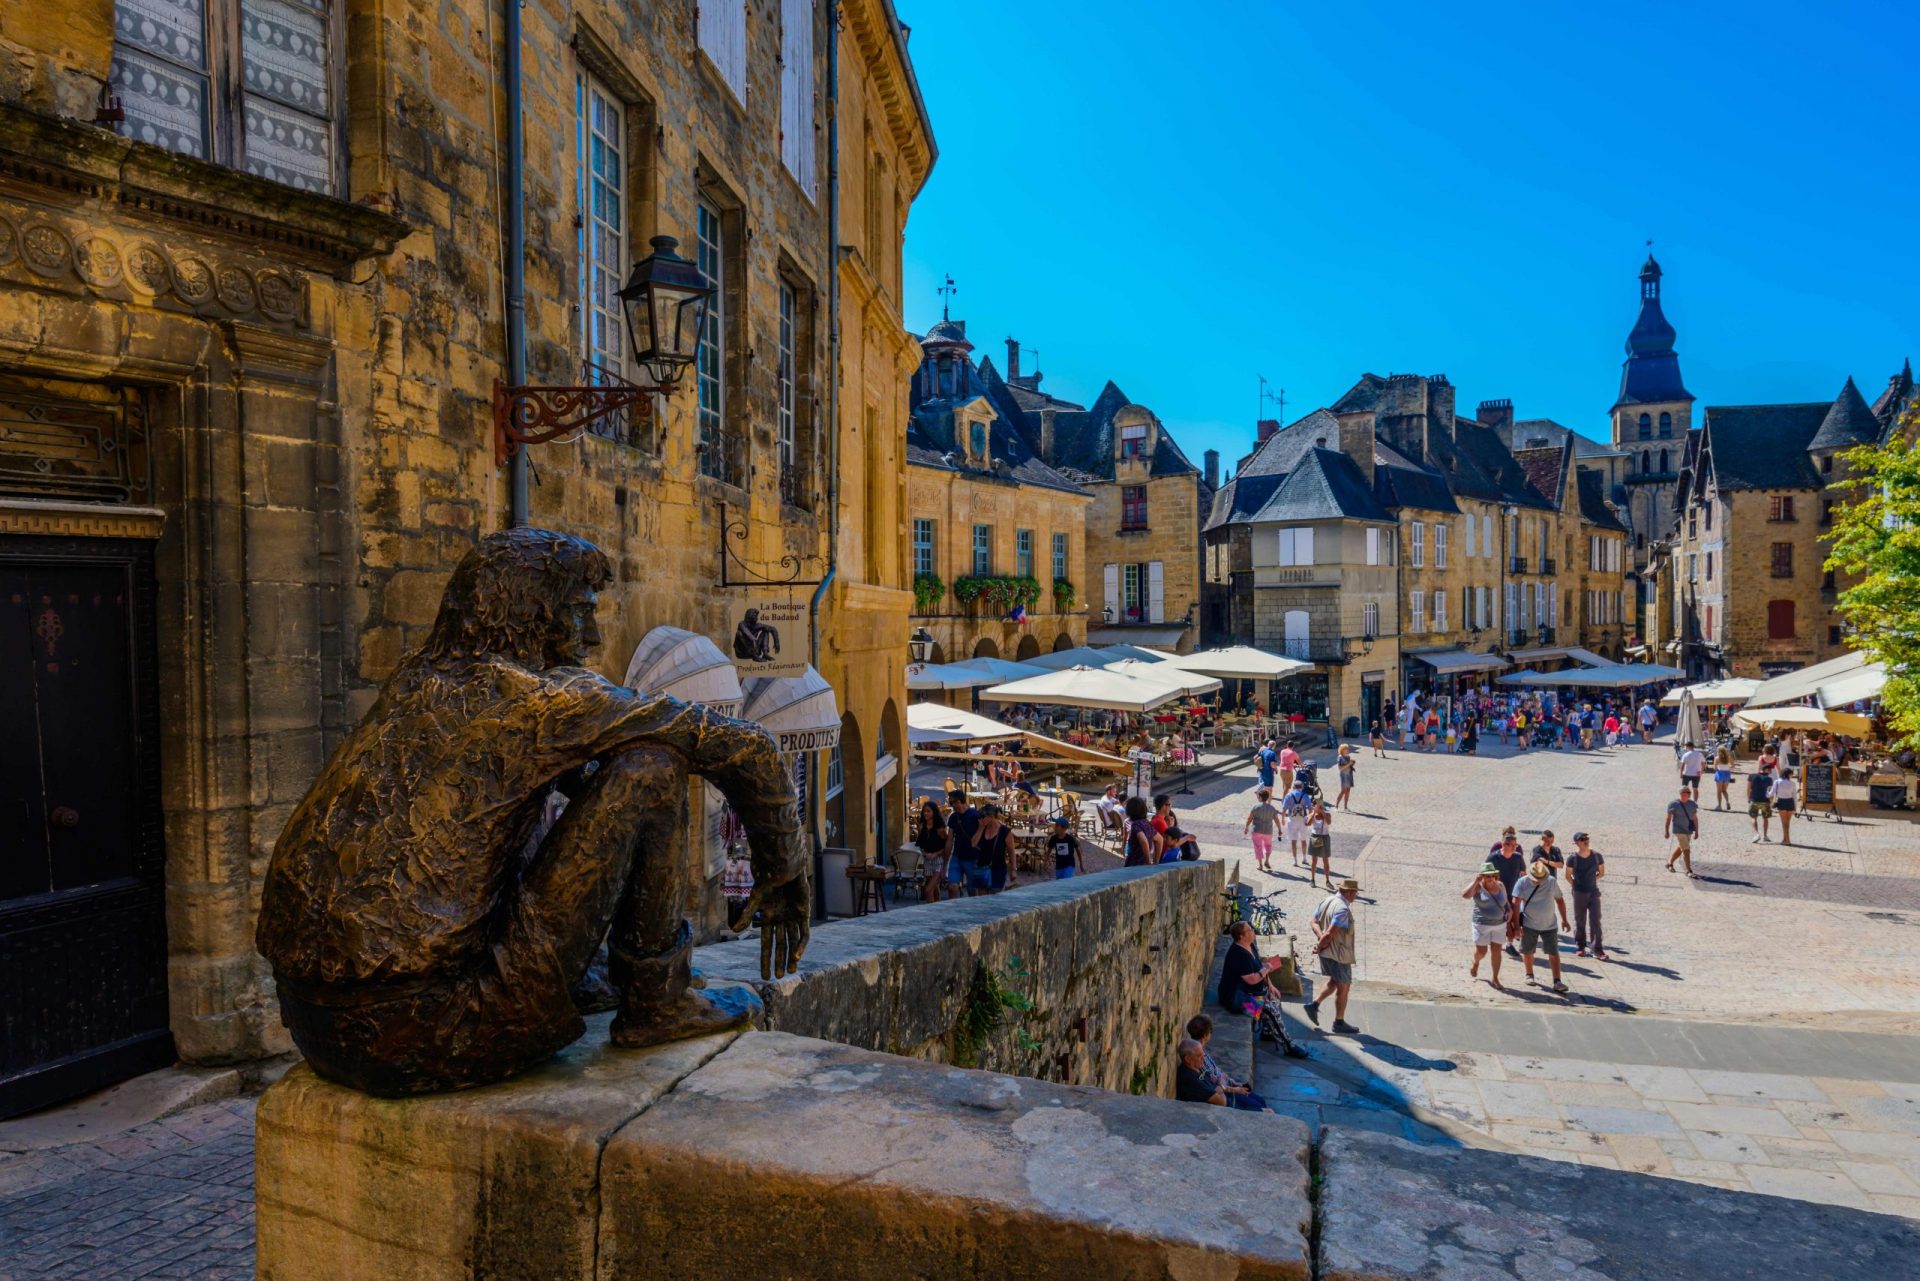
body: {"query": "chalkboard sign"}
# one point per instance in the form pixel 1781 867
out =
pixel 1816 787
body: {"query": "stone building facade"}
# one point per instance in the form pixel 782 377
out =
pixel 255 351
pixel 986 516
pixel 1750 593
pixel 1604 554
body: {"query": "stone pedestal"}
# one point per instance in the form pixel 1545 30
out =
pixel 772 1155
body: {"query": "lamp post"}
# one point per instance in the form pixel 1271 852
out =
pixel 665 300
pixel 920 645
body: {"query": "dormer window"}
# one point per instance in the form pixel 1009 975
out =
pixel 1133 441
pixel 977 443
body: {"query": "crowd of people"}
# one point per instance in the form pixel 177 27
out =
pixel 1526 720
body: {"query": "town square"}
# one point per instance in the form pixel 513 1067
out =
pixel 639 640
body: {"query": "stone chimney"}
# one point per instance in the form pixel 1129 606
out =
pixel 1263 431
pixel 1356 442
pixel 1400 415
pixel 1497 414
pixel 1046 434
pixel 1439 420
pixel 1013 360
pixel 1212 457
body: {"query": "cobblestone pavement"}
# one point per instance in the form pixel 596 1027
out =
pixel 169 1199
pixel 1824 931
pixel 1693 1101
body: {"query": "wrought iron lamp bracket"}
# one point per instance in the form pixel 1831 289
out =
pixel 733 533
pixel 536 415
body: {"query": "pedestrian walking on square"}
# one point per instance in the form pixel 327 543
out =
pixel 1785 795
pixel 930 834
pixel 1334 932
pixel 1612 727
pixel 1722 776
pixel 1267 758
pixel 1379 739
pixel 1490 911
pixel 1289 762
pixel 1509 863
pixel 1343 765
pixel 1261 821
pixel 1649 718
pixel 1683 820
pixel 1552 855
pixel 1587 726
pixel 1065 847
pixel 1143 843
pixel 963 823
pixel 1535 900
pixel 1433 729
pixel 1586 868
pixel 1692 762
pixel 993 854
pixel 1294 808
pixel 1320 843
pixel 1760 804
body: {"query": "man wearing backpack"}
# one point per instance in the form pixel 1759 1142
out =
pixel 1264 761
pixel 1333 925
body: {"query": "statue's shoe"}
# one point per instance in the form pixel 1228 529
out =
pixel 687 1015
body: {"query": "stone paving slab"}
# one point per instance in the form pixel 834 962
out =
pixel 1391 1209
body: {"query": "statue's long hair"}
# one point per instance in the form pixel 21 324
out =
pixel 506 592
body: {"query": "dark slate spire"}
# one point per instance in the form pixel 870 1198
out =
pixel 1652 370
pixel 1850 422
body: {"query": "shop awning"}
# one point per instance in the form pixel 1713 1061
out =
pixel 1612 676
pixel 1239 662
pixel 1772 718
pixel 799 711
pixel 929 723
pixel 1734 690
pixel 1449 662
pixel 687 665
pixel 1539 653
pixel 1834 683
pixel 1136 636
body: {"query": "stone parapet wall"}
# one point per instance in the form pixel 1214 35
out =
pixel 1126 951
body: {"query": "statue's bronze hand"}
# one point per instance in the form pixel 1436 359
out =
pixel 786 913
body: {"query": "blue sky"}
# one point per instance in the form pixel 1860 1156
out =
pixel 1183 197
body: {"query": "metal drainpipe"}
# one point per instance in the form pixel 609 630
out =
pixel 516 251
pixel 832 415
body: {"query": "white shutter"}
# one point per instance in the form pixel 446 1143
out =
pixel 796 91
pixel 723 35
pixel 1471 524
pixel 1303 548
pixel 1283 547
pixel 1156 593
pixel 1111 581
pixel 1373 547
pixel 1486 536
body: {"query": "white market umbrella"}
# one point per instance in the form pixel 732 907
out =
pixel 1686 729
pixel 926 676
pixel 1239 662
pixel 1849 675
pixel 929 723
pixel 1190 683
pixel 1734 690
pixel 1000 669
pixel 1078 656
pixel 1087 687
pixel 687 665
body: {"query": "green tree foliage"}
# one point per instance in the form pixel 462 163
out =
pixel 1876 536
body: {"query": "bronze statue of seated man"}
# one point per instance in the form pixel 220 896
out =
pixel 424 932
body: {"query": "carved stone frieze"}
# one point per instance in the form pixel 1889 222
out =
pixel 41 245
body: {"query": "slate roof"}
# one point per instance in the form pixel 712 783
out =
pixel 1326 485
pixel 1593 501
pixel 1402 484
pixel 1486 469
pixel 1848 423
pixel 1762 446
pixel 1281 452
pixel 1651 371
pixel 930 435
pixel 1893 402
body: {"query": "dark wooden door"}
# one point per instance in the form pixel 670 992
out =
pixel 83 955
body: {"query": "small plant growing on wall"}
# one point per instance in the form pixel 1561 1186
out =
pixel 927 591
pixel 992 997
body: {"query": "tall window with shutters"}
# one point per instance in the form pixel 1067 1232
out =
pixel 173 61
pixel 1370 618
pixel 1059 558
pixel 1472 523
pixel 1439 546
pixel 1295 547
pixel 723 38
pixel 710 358
pixel 1023 553
pixel 1783 560
pixel 982 550
pixel 1373 547
pixel 600 140
pixel 1419 544
pixel 796 94
pixel 923 560
pixel 1417 611
pixel 786 399
pixel 1439 611
pixel 1133 507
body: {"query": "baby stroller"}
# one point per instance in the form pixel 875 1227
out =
pixel 1305 777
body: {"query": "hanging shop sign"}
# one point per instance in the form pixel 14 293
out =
pixel 769 634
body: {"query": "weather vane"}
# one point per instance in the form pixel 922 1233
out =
pixel 946 292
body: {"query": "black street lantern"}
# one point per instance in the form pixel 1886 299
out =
pixel 920 644
pixel 666 300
